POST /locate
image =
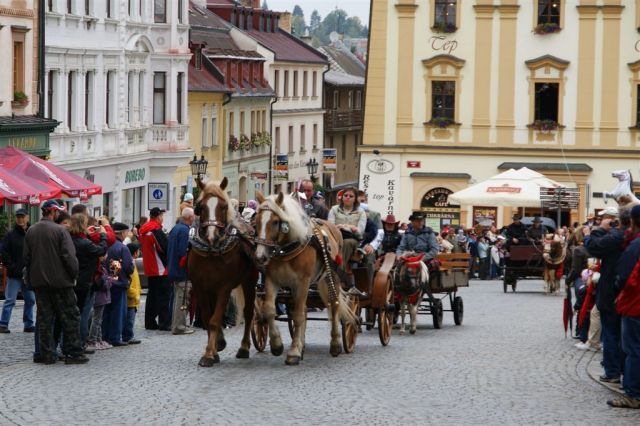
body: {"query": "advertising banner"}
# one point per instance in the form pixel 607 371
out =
pixel 329 160
pixel 380 179
pixel 282 167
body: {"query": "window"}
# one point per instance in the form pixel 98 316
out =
pixel 232 124
pixel 70 101
pixel 304 84
pixel 315 136
pixel 286 84
pixel 130 8
pixel 359 99
pixel 141 101
pixel 109 14
pixel 264 121
pixel 240 76
pixel 350 100
pixel 343 147
pixel 314 84
pixel 295 83
pixel 50 92
pixel 303 142
pixel 159 95
pixel 18 63
pixel 241 129
pixel 50 5
pixel 214 131
pixel 291 139
pixel 638 105
pixel 180 97
pixel 276 78
pixel 88 100
pixel 160 11
pixel 109 84
pixel 336 99
pixel 443 99
pixel 253 122
pixel 445 15
pixel 69 6
pixel 87 7
pixel 546 102
pixel 549 12
pixel 180 11
pixel 277 140
pixel 130 95
pixel 205 132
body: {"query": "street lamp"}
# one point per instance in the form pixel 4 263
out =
pixel 198 167
pixel 312 169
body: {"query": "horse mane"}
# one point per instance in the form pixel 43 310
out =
pixel 213 189
pixel 630 182
pixel 290 212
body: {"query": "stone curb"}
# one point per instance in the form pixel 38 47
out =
pixel 594 370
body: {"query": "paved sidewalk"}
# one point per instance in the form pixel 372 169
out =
pixel 594 369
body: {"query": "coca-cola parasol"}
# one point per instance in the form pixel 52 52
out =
pixel 25 165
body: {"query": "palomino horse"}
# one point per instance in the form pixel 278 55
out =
pixel 221 259
pixel 623 192
pixel 410 277
pixel 289 249
pixel 554 253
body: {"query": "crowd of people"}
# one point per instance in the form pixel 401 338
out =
pixel 81 274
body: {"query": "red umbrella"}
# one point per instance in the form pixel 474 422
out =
pixel 30 166
pixel 23 190
pixel 587 305
pixel 567 312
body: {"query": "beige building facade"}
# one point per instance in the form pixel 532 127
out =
pixel 459 91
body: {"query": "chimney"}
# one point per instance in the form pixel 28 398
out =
pixel 285 22
pixel 253 4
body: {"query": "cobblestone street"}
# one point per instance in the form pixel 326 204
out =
pixel 509 363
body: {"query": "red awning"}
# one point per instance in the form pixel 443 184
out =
pixel 21 190
pixel 45 177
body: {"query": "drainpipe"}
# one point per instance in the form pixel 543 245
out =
pixel 324 107
pixel 41 94
pixel 271 164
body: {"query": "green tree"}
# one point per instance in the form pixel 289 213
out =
pixel 297 11
pixel 314 21
pixel 298 24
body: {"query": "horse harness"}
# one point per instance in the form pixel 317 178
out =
pixel 232 237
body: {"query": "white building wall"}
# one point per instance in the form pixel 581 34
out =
pixel 132 47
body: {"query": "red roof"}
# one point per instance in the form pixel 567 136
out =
pixel 203 81
pixel 287 47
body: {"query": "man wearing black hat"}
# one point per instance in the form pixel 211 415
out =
pixel 120 263
pixel 51 269
pixel 516 232
pixel 419 238
pixel 12 247
pixel 155 248
pixel 536 232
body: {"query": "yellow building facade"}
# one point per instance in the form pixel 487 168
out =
pixel 458 91
pixel 206 132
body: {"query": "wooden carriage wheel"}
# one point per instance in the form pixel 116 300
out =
pixel 259 327
pixel 385 318
pixel 350 330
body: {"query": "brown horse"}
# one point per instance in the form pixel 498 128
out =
pixel 411 276
pixel 284 249
pixel 221 259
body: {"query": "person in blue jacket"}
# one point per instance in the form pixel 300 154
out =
pixel 177 260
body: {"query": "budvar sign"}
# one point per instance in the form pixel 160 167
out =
pixel 507 189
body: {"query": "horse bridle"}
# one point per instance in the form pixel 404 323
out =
pixel 282 229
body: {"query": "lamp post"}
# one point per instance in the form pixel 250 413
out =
pixel 198 167
pixel 312 169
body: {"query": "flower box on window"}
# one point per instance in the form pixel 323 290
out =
pixel 444 27
pixel 544 125
pixel 245 143
pixel 20 100
pixel 441 122
pixel 547 28
pixel 234 143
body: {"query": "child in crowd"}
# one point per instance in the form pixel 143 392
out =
pixel 103 282
pixel 133 298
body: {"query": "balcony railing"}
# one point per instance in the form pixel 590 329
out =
pixel 169 138
pixel 343 120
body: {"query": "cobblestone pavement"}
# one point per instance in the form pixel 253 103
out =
pixel 509 363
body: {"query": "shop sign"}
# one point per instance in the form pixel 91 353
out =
pixel 441 43
pixel 282 167
pixel 413 164
pixel 158 195
pixel 25 142
pixel 504 188
pixel 259 176
pixel 329 160
pixel 438 212
pixel 380 179
pixel 437 197
pixel 135 175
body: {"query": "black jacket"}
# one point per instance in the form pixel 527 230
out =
pixel 391 241
pixel 579 262
pixel 12 247
pixel 88 253
pixel 608 247
pixel 518 231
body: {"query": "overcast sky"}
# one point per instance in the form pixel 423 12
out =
pixel 359 8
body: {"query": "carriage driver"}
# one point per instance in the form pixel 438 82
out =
pixel 419 238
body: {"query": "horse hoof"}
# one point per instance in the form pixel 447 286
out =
pixel 208 362
pixel 242 353
pixel 401 332
pixel 221 344
pixel 277 350
pixel 292 360
pixel 335 350
pixel 412 331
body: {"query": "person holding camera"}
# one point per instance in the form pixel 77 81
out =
pixel 606 243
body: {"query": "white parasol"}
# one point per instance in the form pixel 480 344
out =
pixel 513 188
